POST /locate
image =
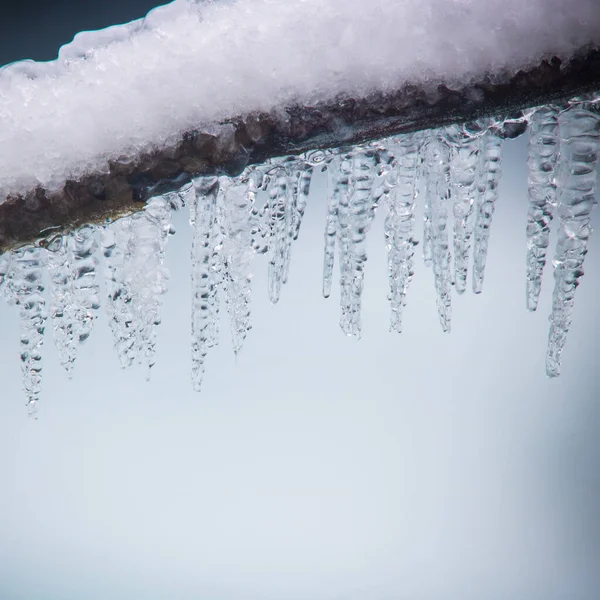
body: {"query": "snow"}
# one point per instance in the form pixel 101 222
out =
pixel 114 93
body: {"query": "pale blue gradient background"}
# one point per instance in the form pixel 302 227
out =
pixel 423 465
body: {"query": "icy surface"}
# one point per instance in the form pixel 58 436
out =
pixel 113 93
pixel 456 170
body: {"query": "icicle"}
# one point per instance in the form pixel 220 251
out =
pixel 25 281
pixel 61 301
pixel 466 144
pixel 259 227
pixel 356 212
pixel 543 152
pixel 486 200
pixel 205 274
pixel 399 225
pixel 579 147
pixel 303 176
pixel 339 173
pixel 234 216
pixel 115 241
pixel 85 285
pixel 281 219
pixel 74 291
pixel 134 251
pixel 438 196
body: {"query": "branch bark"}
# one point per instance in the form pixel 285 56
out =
pixel 254 138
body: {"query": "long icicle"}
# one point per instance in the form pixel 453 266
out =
pixel 399 226
pixel 339 173
pixel 543 153
pixel 281 218
pixel 205 274
pixel 58 262
pixel 580 145
pixel 357 210
pixel 466 147
pixel 234 211
pixel 26 285
pixel 438 199
pixel 486 202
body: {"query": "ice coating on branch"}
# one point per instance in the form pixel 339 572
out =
pixel 24 286
pixel 134 251
pixel 117 93
pixel 206 274
pixel 438 201
pixel 543 153
pixel 399 224
pixel 461 169
pixel 491 171
pixel 464 170
pixel 74 305
pixel 234 210
pixel 579 148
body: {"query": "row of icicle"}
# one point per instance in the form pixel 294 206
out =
pixel 460 167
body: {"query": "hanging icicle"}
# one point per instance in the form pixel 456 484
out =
pixel 543 153
pixel 206 274
pixel 438 201
pixel 356 212
pixel 25 288
pixel 134 252
pixel 234 210
pixel 579 147
pixel 399 224
pixel 465 141
pixel 491 157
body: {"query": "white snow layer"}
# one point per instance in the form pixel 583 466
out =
pixel 113 93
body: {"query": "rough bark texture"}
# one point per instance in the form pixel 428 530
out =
pixel 254 138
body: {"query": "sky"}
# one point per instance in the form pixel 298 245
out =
pixel 422 465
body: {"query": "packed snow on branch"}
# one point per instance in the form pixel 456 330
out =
pixel 456 169
pixel 127 89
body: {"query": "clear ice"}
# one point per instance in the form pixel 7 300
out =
pixel 456 169
pixel 543 153
pixel 75 302
pixel 134 250
pixel 577 163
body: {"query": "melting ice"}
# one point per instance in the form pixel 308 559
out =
pixel 456 170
